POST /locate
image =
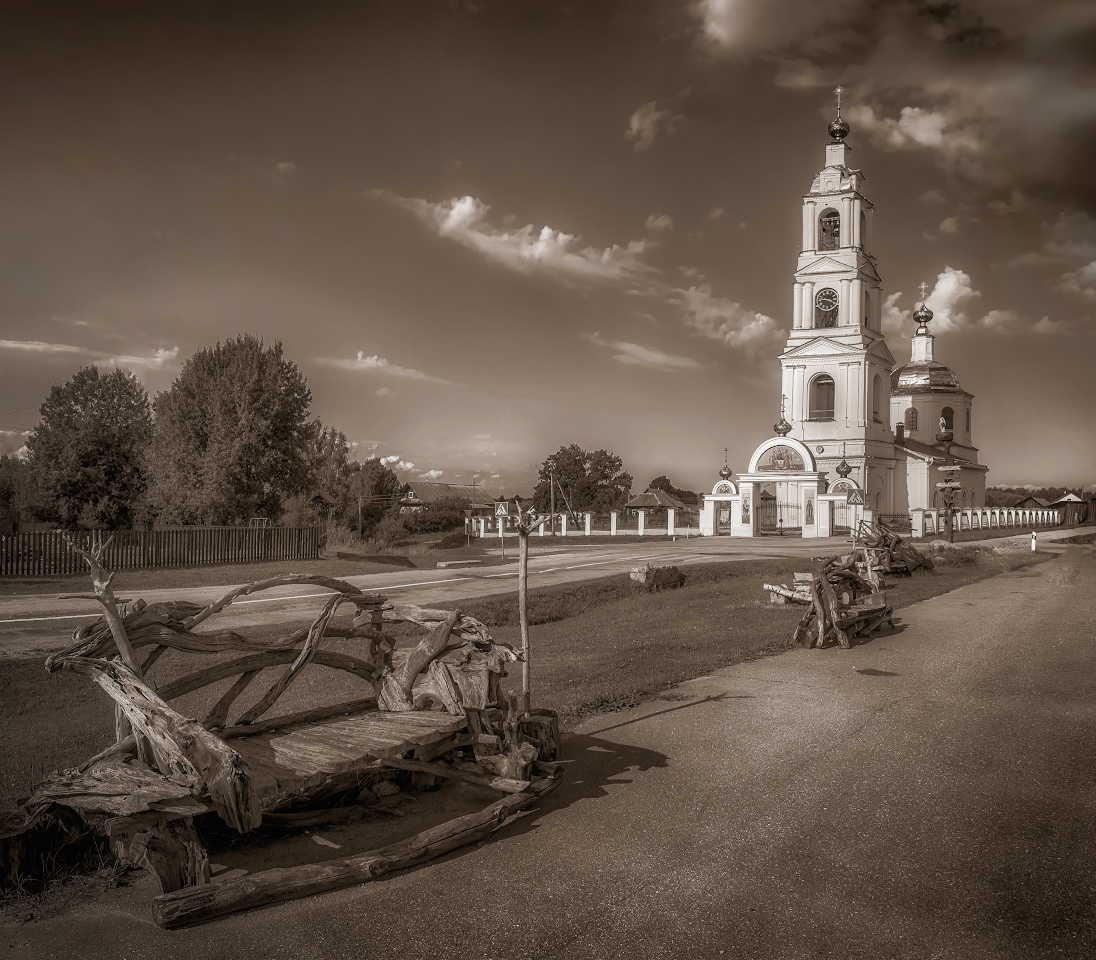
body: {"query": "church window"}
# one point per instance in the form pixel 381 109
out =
pixel 948 416
pixel 829 230
pixel 821 398
pixel 876 398
pixel 825 308
pixel 911 419
pixel 863 230
pixel 968 419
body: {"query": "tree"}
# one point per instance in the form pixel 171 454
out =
pixel 592 481
pixel 87 455
pixel 687 497
pixel 232 438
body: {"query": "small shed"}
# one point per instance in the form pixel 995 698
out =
pixel 1072 509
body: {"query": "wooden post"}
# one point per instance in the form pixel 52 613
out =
pixel 523 618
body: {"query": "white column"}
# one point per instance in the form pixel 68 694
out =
pixel 843 309
pixel 588 516
pixel 669 521
pixel 846 221
pixel 800 403
pixel 797 306
pixel 563 520
pixel 612 523
pixel 808 227
pixel 856 302
pixel 642 516
pixel 854 231
pixel 808 304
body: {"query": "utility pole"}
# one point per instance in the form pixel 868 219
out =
pixel 552 493
pixel 359 519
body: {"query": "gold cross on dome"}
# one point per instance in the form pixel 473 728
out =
pixel 924 286
pixel 783 397
pixel 839 91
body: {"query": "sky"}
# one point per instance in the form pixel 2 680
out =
pixel 487 229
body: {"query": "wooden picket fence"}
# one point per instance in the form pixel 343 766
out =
pixel 45 552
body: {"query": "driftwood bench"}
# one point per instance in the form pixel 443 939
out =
pixel 424 709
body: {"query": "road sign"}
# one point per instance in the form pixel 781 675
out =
pixel 855 497
pixel 502 508
pixel 949 485
pixel 951 467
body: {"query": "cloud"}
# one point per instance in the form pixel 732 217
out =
pixel 895 320
pixel 933 196
pixel 526 250
pixel 727 321
pixel 716 213
pixel 999 93
pixel 659 223
pixel 158 359
pixel 431 474
pixel 1081 282
pixel 635 355
pixel 383 391
pixel 1046 325
pixel 376 364
pixel 1016 202
pixel 647 122
pixel 949 225
pixel 953 291
pixel 396 463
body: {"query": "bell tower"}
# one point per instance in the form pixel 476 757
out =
pixel 836 365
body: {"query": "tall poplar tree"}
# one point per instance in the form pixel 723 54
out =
pixel 232 437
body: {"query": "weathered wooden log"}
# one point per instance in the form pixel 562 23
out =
pixel 315 715
pixel 543 726
pixel 169 848
pixel 801 634
pixel 394 686
pixel 315 818
pixel 183 749
pixel 439 769
pixel 198 904
pixel 829 598
pixel 790 595
pixel 820 610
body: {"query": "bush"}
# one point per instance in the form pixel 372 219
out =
pixel 390 530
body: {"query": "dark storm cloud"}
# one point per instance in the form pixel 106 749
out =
pixel 1001 93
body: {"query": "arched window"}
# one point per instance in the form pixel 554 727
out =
pixel 911 419
pixel 867 309
pixel 829 230
pixel 876 398
pixel 821 397
pixel 825 308
pixel 948 416
pixel 968 419
pixel 863 230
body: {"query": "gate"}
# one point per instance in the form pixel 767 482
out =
pixel 841 515
pixel 777 519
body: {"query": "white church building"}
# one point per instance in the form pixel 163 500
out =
pixel 857 431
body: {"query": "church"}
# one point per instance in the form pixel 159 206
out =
pixel 857 434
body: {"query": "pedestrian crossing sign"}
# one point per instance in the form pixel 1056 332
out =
pixel 855 497
pixel 502 508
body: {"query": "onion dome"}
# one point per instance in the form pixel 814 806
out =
pixel 921 316
pixel 838 129
pixel 725 472
pixel 782 428
pixel 843 468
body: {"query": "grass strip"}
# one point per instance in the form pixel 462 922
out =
pixel 599 645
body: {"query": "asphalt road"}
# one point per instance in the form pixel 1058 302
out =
pixel 927 794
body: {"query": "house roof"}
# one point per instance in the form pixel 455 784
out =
pixel 427 491
pixel 1068 498
pixel 322 497
pixel 651 498
pixel 1038 500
